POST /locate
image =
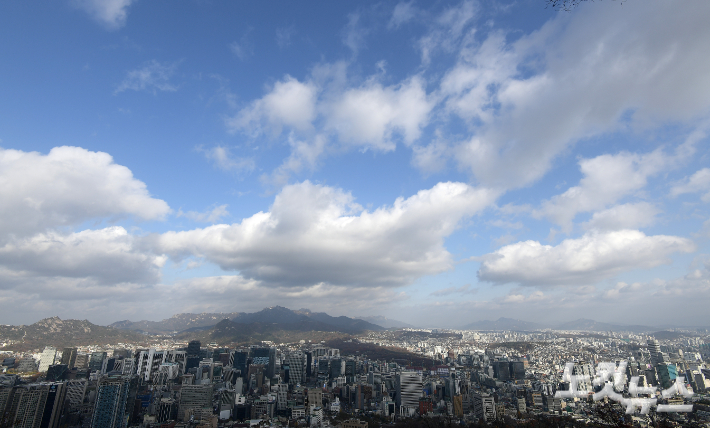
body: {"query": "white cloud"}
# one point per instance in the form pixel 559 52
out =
pixel 304 154
pixel 321 112
pixel 622 288
pixel 625 216
pixel 447 30
pixel 111 13
pixel 403 12
pixel 210 216
pixel 607 178
pixel 290 103
pixel 697 183
pixel 317 234
pixel 524 98
pixel 585 260
pixel 224 160
pixel 354 34
pixel 519 97
pixel 66 187
pixel 153 76
pixel 369 115
pixel 107 257
pixel 431 158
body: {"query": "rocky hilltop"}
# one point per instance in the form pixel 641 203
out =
pixel 57 332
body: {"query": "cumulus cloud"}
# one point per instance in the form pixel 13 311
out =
pixel 625 216
pixel 323 112
pixel 523 97
pixel 697 183
pixel 607 178
pixel 519 97
pixel 369 115
pixel 289 103
pixel 318 234
pixel 152 76
pixel 364 116
pixel 591 258
pixel 108 256
pixel 111 13
pixel 66 187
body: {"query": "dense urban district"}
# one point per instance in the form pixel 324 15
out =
pixel 281 368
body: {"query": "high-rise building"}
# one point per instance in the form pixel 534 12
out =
pixel 239 360
pixel 27 406
pixel 69 357
pixel 282 396
pixel 53 405
pixel 315 397
pixel 47 358
pixel 667 374
pixel 501 370
pixel 337 368
pixel 350 369
pixel 323 366
pixel 409 389
pixel 167 410
pixel 309 364
pixel 654 348
pixel 36 405
pixel 193 348
pixel 56 372
pixel 96 361
pixel 76 390
pixel 193 355
pixel 149 362
pixel 6 393
pixel 82 360
pixel 484 407
pixel 27 364
pixel 517 370
pixel 295 363
pixel 263 354
pixel 194 397
pixel 110 409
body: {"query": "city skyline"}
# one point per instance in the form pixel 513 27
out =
pixel 437 164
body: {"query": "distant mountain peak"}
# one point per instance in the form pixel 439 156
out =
pixel 269 315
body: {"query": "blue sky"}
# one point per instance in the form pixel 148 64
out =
pixel 433 162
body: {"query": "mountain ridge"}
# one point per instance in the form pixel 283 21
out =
pixel 54 331
pixel 185 322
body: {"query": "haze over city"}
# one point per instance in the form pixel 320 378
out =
pixel 436 163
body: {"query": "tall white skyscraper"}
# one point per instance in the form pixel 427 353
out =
pixel 47 358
